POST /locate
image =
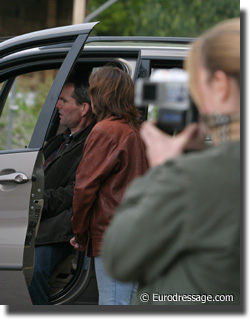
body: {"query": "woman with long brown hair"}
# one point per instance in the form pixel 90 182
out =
pixel 113 156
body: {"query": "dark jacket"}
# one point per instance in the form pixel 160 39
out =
pixel 55 225
pixel 114 155
pixel 178 230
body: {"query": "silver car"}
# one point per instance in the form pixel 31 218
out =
pixel 33 70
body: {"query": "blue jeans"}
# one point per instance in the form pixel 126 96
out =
pixel 113 292
pixel 47 257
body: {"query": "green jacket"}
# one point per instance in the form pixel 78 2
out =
pixel 177 232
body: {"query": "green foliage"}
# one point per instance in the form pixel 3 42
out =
pixel 42 92
pixel 172 18
pixel 22 125
pixel 26 115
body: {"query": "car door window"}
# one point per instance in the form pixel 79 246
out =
pixel 22 108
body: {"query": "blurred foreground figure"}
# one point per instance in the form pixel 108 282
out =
pixel 177 231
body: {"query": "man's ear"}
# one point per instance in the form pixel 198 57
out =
pixel 85 108
pixel 221 83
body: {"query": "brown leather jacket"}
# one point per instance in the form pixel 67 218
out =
pixel 113 156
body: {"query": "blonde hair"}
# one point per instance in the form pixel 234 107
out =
pixel 217 49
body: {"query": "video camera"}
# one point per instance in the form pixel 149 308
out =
pixel 167 95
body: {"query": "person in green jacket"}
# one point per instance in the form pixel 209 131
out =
pixel 177 230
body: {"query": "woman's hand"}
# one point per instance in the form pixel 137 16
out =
pixel 76 245
pixel 161 147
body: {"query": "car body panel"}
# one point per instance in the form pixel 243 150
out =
pixel 14 219
pixel 14 288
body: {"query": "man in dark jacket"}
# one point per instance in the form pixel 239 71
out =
pixel 62 155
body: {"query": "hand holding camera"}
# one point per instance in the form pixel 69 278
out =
pixel 161 147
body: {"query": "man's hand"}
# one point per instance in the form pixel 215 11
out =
pixel 76 245
pixel 161 147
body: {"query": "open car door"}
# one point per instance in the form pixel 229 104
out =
pixel 21 170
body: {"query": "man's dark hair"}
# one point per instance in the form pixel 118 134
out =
pixel 81 85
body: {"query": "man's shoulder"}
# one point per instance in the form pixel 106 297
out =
pixel 53 142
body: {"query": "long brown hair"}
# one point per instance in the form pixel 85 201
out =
pixel 112 94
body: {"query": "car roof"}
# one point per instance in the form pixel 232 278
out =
pixel 46 36
pixel 105 43
pixel 52 52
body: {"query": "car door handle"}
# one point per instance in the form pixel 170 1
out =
pixel 16 177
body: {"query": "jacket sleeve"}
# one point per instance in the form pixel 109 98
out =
pixel 100 158
pixel 148 228
pixel 58 200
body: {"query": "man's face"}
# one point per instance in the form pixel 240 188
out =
pixel 69 111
